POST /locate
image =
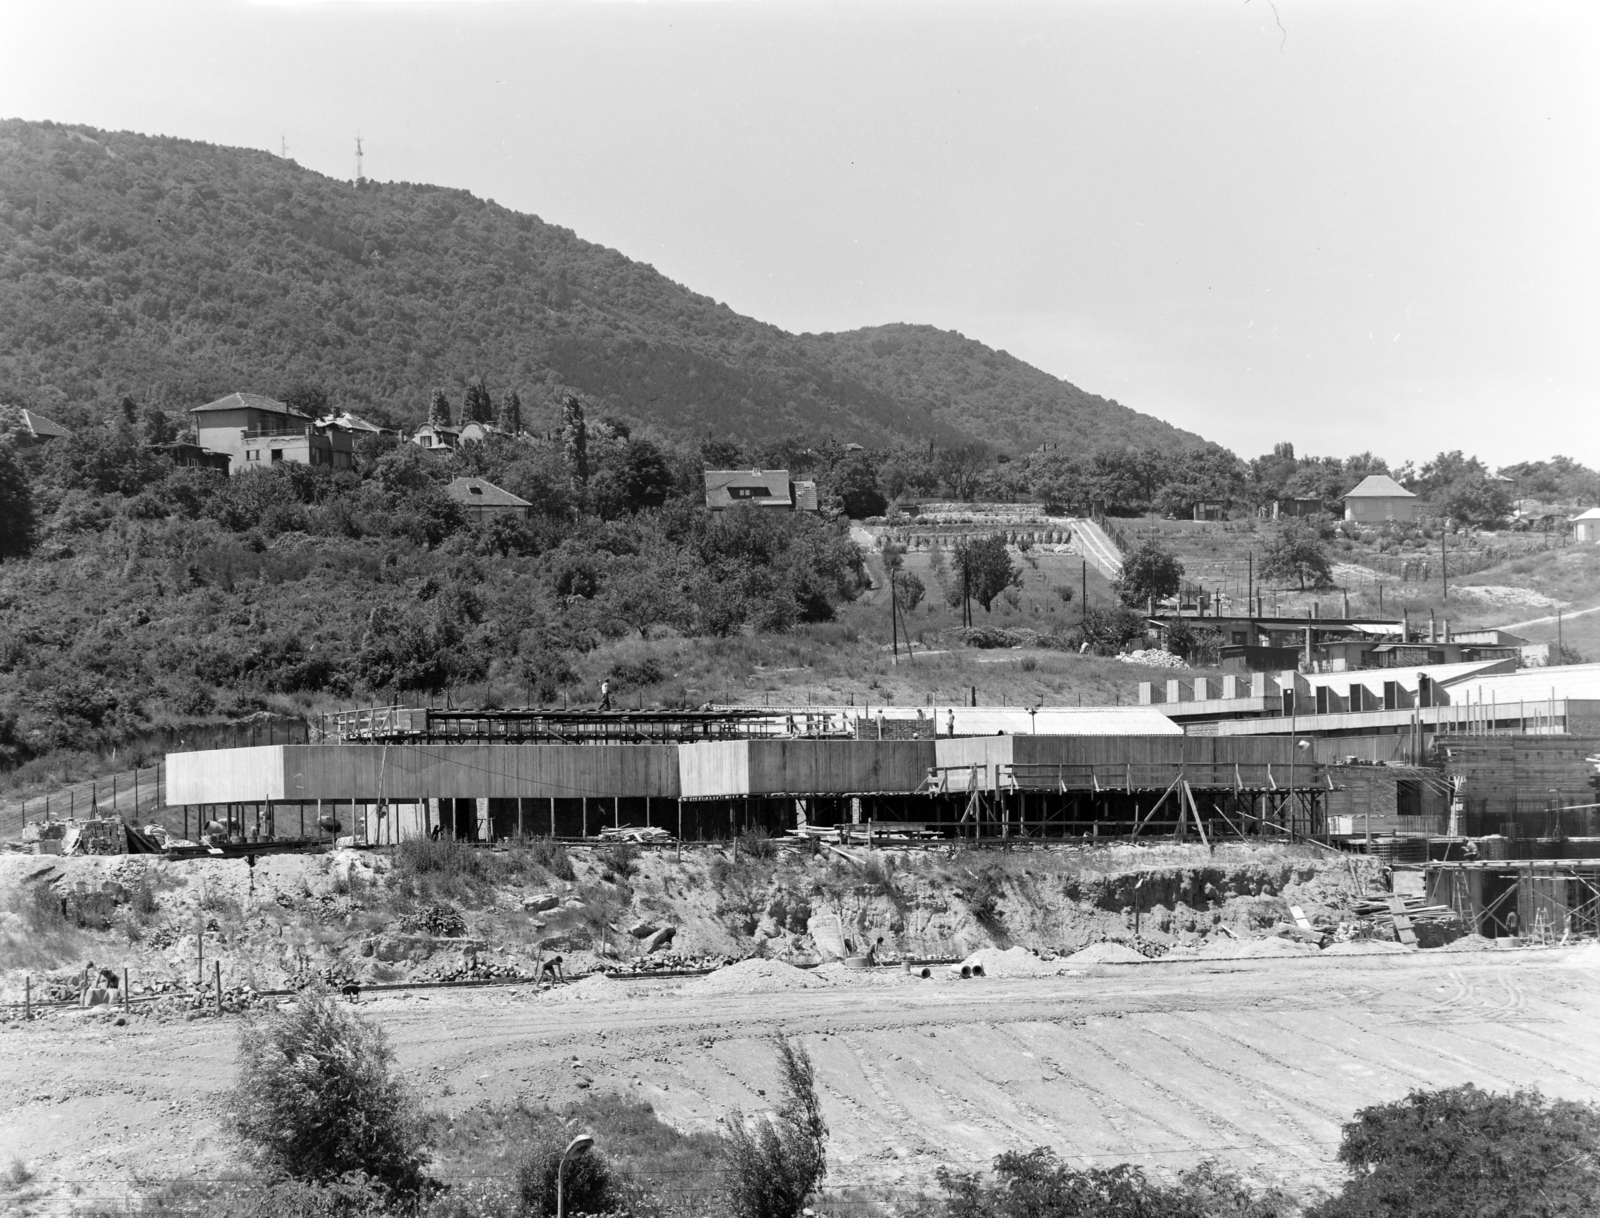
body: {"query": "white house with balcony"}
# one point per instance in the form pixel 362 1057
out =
pixel 257 431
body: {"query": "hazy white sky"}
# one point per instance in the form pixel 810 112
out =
pixel 1373 228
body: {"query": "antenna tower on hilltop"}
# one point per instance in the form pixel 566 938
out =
pixel 358 159
pixel 283 146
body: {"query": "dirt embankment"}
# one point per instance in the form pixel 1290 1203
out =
pixel 378 917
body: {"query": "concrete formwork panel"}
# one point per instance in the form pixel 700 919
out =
pixel 410 772
pixel 734 768
pixel 226 776
pixel 1118 759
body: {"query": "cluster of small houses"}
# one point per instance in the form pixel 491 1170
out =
pixel 246 431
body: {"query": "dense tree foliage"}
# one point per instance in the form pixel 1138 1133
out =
pixel 1150 572
pixel 981 570
pixel 162 594
pixel 1036 1184
pixel 1295 551
pixel 16 506
pixel 1440 1154
pixel 190 270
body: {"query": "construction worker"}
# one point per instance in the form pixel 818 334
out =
pixel 605 694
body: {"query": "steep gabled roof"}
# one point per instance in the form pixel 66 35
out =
pixel 477 492
pixel 761 486
pixel 249 401
pixel 42 428
pixel 1592 514
pixel 1379 486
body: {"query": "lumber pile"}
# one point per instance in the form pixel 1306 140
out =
pixel 646 835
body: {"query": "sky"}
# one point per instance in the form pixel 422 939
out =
pixel 1354 226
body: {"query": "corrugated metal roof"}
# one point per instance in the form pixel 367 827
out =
pixel 1379 486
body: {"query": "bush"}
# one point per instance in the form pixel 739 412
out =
pixel 622 860
pixel 553 857
pixel 774 1167
pixel 755 842
pixel 1036 1184
pixel 1437 1154
pixel 314 1100
pixel 587 1185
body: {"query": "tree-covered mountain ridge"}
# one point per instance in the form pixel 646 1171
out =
pixel 178 271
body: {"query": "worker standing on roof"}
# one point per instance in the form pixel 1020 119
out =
pixel 605 694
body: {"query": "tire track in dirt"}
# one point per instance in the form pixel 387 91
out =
pixel 1281 1105
pixel 1206 1116
pixel 1112 1110
pixel 913 1134
pixel 1421 1077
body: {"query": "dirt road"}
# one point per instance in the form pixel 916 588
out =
pixel 1256 1062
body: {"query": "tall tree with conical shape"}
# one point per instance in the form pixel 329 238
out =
pixel 510 417
pixel 439 409
pixel 575 432
pixel 478 407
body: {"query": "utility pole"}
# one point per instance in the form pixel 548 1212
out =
pixel 894 618
pixel 1444 570
pixel 1084 594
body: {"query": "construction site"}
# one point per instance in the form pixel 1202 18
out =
pixel 977 918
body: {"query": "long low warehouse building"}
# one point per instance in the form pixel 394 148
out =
pixel 1024 783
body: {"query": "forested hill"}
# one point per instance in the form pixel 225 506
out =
pixel 177 271
pixel 986 392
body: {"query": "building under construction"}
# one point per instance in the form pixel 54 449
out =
pixel 384 774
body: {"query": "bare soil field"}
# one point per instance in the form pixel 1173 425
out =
pixel 1253 1062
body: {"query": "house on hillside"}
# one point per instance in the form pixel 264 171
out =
pixel 763 488
pixel 30 427
pixel 352 423
pixel 192 456
pixel 1379 498
pixel 484 500
pixel 257 431
pixel 1586 526
pixel 436 436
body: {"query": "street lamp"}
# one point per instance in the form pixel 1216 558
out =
pixel 577 1146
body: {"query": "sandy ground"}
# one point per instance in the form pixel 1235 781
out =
pixel 1255 1062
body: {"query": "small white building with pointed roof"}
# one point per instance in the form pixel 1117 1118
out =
pixel 1379 498
pixel 1586 526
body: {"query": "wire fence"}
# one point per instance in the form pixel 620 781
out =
pixel 131 794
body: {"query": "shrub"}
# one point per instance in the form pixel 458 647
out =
pixel 314 1100
pixel 622 860
pixel 587 1184
pixel 636 674
pixel 1465 1151
pixel 1035 1184
pixel 757 843
pixel 553 857
pixel 775 1166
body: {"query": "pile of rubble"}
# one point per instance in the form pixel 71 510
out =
pixel 669 962
pixel 438 920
